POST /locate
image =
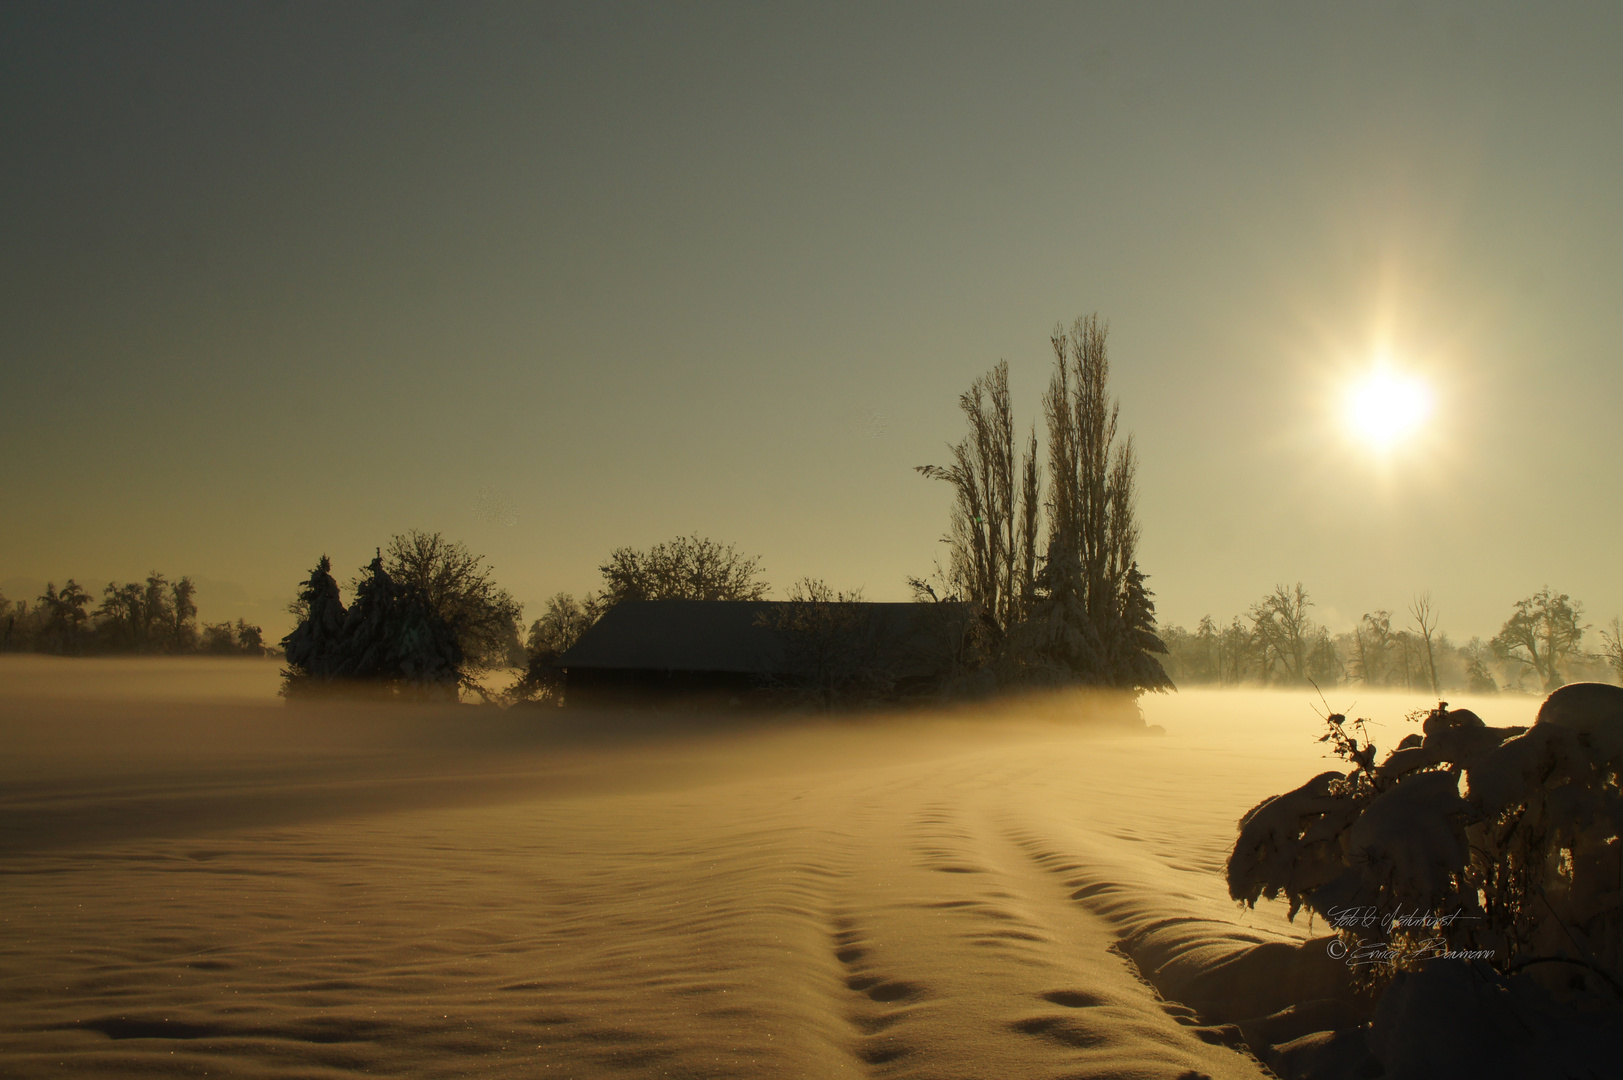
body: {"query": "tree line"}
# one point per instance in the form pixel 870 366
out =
pixel 1275 642
pixel 1042 585
pixel 154 617
pixel 426 620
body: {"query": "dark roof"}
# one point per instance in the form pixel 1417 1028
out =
pixel 704 635
pixel 679 635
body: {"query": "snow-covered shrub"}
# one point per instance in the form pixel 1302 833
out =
pixel 1524 868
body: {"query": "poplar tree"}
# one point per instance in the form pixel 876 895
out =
pixel 1091 621
pixel 993 529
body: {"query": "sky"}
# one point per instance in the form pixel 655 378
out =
pixel 285 279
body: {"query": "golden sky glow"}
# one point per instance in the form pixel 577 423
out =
pixel 281 279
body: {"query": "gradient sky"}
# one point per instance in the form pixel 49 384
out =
pixel 285 279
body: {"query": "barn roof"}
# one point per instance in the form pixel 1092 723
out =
pixel 680 635
pixel 702 635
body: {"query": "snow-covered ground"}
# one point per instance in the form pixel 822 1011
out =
pixel 202 880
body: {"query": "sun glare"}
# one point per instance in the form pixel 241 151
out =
pixel 1386 407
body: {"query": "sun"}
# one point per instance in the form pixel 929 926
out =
pixel 1385 407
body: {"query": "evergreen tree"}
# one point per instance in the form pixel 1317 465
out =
pixel 393 635
pixel 390 638
pixel 368 629
pixel 313 648
pixel 1059 641
pixel 1139 669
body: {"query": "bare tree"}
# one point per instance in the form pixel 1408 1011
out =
pixel 1324 667
pixel 137 617
pixel 458 588
pixel 1479 659
pixel 1372 643
pixel 564 621
pixel 1085 505
pixel 1206 666
pixel 1425 620
pixel 687 568
pixel 1611 648
pixel 1408 658
pixel 1084 615
pixel 65 617
pixel 993 528
pixel 1280 623
pixel 835 648
pixel 181 629
pixel 1543 633
pixel 223 639
pixel 1030 512
pixel 1236 649
pixel 1193 656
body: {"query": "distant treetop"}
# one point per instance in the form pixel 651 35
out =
pixel 687 568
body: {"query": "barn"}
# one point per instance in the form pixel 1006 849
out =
pixel 733 653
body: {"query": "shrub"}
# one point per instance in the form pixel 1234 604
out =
pixel 1523 870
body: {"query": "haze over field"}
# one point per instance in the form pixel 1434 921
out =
pixel 280 280
pixel 254 890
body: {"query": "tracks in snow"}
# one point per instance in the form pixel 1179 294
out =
pixel 958 943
